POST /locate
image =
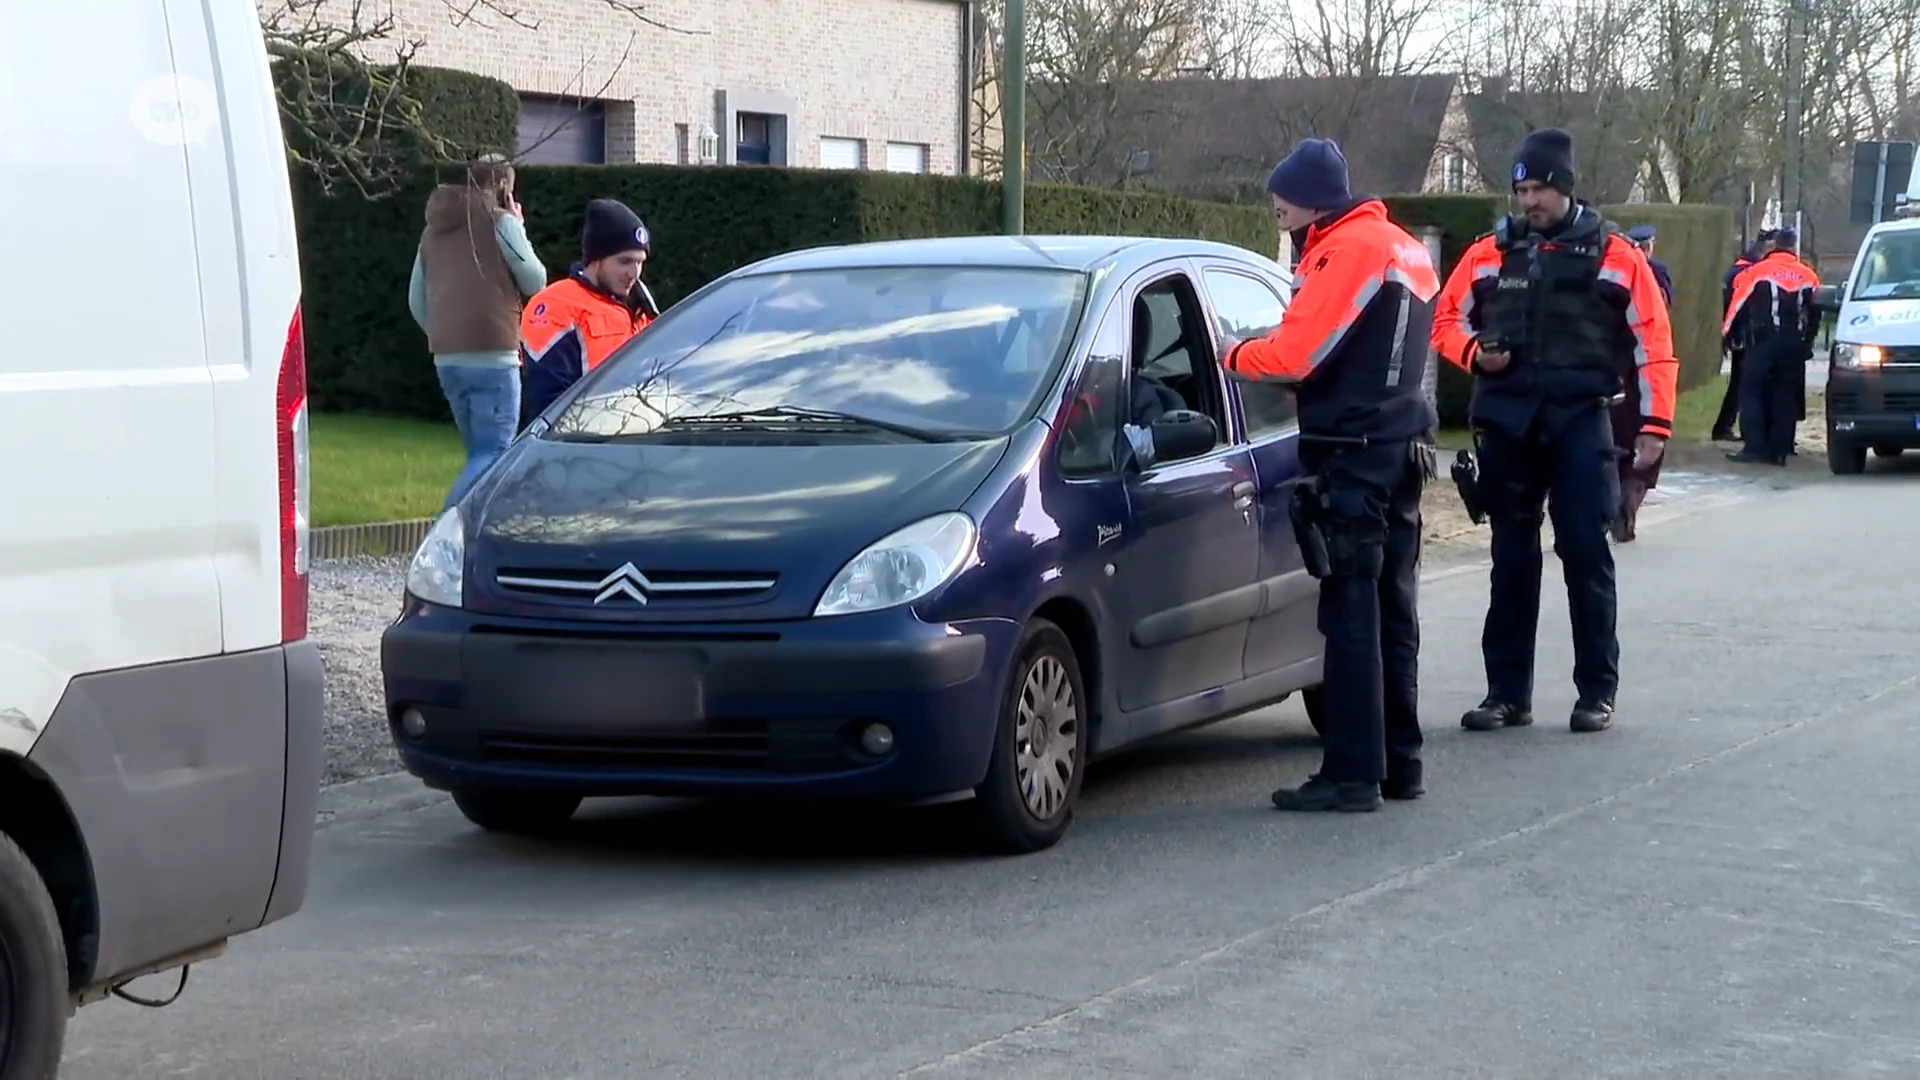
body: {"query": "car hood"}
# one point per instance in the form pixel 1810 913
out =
pixel 1879 322
pixel 653 532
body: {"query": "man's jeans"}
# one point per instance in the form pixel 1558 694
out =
pixel 486 407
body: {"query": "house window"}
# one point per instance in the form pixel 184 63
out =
pixel 841 153
pixel 1454 178
pixel 682 144
pixel 753 139
pixel 906 157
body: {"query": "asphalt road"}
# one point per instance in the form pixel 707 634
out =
pixel 1726 885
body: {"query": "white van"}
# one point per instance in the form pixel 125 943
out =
pixel 160 704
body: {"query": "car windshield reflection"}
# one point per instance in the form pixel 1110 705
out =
pixel 921 350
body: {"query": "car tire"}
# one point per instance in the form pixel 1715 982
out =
pixel 506 810
pixel 34 998
pixel 1887 450
pixel 1028 797
pixel 1315 700
pixel 1845 458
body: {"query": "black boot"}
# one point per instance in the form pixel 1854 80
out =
pixel 1592 716
pixel 1491 714
pixel 1322 795
pixel 1403 788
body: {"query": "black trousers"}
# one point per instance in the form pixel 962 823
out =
pixel 1730 401
pixel 1771 391
pixel 1372 623
pixel 1570 467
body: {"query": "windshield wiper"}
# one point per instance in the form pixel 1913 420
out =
pixel 799 412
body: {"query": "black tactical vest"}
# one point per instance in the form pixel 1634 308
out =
pixel 1545 306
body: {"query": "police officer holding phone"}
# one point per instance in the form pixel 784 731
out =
pixel 1353 345
pixel 1547 312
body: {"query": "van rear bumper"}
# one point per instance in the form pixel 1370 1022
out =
pixel 193 786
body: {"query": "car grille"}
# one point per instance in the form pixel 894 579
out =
pixel 1900 356
pixel 1862 400
pixel 629 587
pixel 795 747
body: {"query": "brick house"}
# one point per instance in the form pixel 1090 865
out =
pixel 877 84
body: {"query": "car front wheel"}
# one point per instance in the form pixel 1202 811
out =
pixel 504 810
pixel 1845 458
pixel 1026 801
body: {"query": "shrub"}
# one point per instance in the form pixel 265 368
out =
pixel 365 353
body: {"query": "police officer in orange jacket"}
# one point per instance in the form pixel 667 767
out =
pixel 1353 345
pixel 570 327
pixel 1543 312
pixel 1771 314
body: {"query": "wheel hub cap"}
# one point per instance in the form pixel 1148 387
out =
pixel 1046 737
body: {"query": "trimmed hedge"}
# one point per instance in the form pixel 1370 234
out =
pixel 366 355
pixel 329 110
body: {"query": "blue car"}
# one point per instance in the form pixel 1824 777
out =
pixel 915 521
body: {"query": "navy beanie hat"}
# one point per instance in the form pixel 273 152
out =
pixel 1546 157
pixel 611 229
pixel 1314 176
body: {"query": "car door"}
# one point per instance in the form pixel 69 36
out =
pixel 1183 586
pixel 1285 631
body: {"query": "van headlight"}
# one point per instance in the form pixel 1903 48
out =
pixel 437 573
pixel 1854 357
pixel 901 567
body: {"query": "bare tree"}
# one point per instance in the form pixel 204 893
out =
pixel 1087 60
pixel 1240 39
pixel 350 109
pixel 1365 39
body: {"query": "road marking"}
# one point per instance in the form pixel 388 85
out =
pixel 1143 988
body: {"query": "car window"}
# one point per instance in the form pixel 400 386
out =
pixel 1890 267
pixel 1092 421
pixel 1246 308
pixel 945 349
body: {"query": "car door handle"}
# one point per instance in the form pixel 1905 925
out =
pixel 1243 493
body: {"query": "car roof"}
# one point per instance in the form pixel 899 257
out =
pixel 1081 253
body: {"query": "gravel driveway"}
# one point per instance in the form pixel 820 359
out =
pixel 353 601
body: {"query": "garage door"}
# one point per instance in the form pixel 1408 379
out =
pixel 906 157
pixel 562 131
pixel 840 153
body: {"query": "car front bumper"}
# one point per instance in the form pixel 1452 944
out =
pixel 1874 406
pixel 695 709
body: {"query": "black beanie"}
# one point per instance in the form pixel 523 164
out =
pixel 611 229
pixel 1547 157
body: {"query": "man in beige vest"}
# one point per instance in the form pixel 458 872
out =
pixel 473 271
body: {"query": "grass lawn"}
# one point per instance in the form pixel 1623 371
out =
pixel 379 468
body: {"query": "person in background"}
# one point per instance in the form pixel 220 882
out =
pixel 1773 313
pixel 1737 355
pixel 573 325
pixel 472 270
pixel 1636 480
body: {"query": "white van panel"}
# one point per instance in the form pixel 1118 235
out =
pixel 250 278
pixel 107 405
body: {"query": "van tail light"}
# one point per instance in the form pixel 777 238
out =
pixel 296 489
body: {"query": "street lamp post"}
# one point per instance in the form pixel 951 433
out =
pixel 1013 121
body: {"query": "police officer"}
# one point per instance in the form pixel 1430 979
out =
pixel 1773 315
pixel 1542 312
pixel 1737 355
pixel 1353 345
pixel 1636 480
pixel 573 325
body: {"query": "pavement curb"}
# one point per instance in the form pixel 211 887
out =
pixel 378 538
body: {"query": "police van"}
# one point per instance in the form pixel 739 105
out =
pixel 1873 377
pixel 160 701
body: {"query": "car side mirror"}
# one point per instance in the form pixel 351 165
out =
pixel 1182 434
pixel 1827 298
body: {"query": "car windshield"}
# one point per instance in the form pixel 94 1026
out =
pixel 940 351
pixel 1890 268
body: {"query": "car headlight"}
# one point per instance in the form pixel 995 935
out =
pixel 437 572
pixel 1854 357
pixel 901 567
